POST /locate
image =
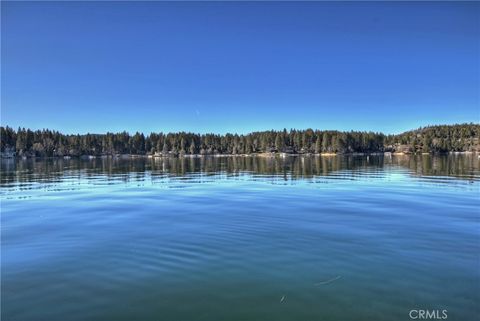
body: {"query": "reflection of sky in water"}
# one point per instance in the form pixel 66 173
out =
pixel 344 179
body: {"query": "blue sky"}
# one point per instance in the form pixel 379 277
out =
pixel 238 67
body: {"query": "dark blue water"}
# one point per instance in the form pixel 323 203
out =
pixel 302 238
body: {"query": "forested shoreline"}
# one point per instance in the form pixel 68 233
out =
pixel 49 143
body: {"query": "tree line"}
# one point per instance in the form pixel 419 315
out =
pixel 437 139
pixel 50 143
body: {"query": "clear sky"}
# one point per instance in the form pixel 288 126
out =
pixel 238 67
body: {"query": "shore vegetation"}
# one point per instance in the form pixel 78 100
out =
pixel 50 143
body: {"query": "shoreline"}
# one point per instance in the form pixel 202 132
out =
pixel 267 155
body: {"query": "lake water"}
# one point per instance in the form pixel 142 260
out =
pixel 246 238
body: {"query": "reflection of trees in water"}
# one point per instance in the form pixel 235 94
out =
pixel 455 165
pixel 51 170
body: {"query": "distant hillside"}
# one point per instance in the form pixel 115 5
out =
pixel 48 143
pixel 437 139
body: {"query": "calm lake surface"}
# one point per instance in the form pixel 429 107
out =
pixel 240 238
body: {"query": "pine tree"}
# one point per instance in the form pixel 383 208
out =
pixel 279 143
pixel 159 145
pixel 148 146
pixel 325 144
pixel 20 143
pixel 182 145
pixel 426 144
pixel 318 146
pixel 192 147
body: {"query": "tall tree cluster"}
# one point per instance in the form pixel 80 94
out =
pixel 48 143
pixel 437 139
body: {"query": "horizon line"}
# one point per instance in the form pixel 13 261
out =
pixel 235 133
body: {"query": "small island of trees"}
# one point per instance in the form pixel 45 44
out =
pixel 49 143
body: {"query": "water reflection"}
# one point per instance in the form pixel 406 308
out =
pixel 289 168
pixel 117 239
